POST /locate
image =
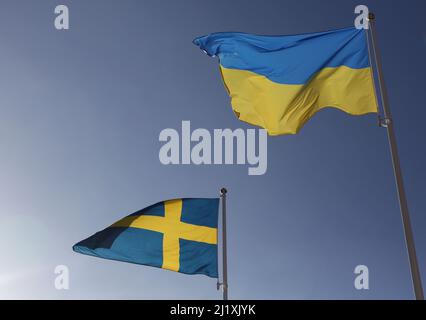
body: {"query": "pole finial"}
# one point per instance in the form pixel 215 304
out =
pixel 223 191
pixel 371 16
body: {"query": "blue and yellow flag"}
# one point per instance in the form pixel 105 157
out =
pixel 178 235
pixel 280 82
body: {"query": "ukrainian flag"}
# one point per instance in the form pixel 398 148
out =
pixel 178 235
pixel 280 82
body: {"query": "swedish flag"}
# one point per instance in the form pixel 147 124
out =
pixel 178 235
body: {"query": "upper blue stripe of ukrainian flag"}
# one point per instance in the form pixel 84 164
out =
pixel 289 59
pixel 178 235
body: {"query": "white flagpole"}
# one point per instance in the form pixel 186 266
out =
pixel 224 283
pixel 387 122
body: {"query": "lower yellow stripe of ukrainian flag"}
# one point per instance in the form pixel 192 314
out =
pixel 285 108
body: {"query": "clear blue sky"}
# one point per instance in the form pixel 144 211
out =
pixel 80 115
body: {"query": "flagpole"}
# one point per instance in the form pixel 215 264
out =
pixel 388 124
pixel 224 283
